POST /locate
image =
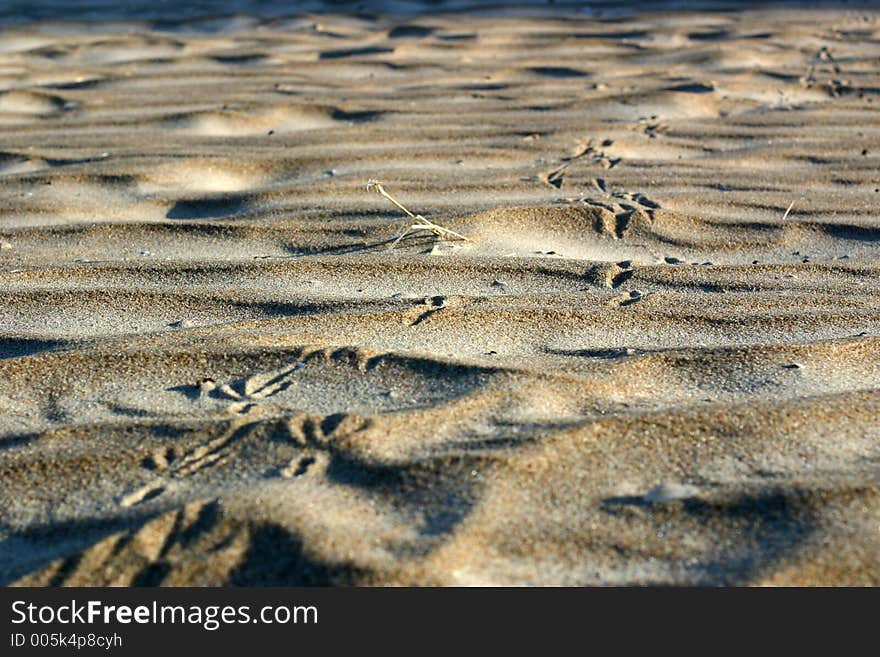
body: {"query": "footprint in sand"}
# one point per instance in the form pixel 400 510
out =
pixel 632 297
pixel 258 386
pixel 143 494
pixel 301 465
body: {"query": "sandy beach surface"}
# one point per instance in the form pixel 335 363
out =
pixel 655 359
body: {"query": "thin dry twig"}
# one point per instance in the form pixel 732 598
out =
pixel 421 223
pixel 790 206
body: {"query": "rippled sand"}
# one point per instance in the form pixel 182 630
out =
pixel 656 360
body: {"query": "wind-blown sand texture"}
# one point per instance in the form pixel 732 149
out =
pixel 214 371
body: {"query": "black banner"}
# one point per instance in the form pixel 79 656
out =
pixel 148 621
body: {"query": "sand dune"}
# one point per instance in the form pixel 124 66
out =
pixel 656 359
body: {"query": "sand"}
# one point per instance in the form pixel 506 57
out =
pixel 656 360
